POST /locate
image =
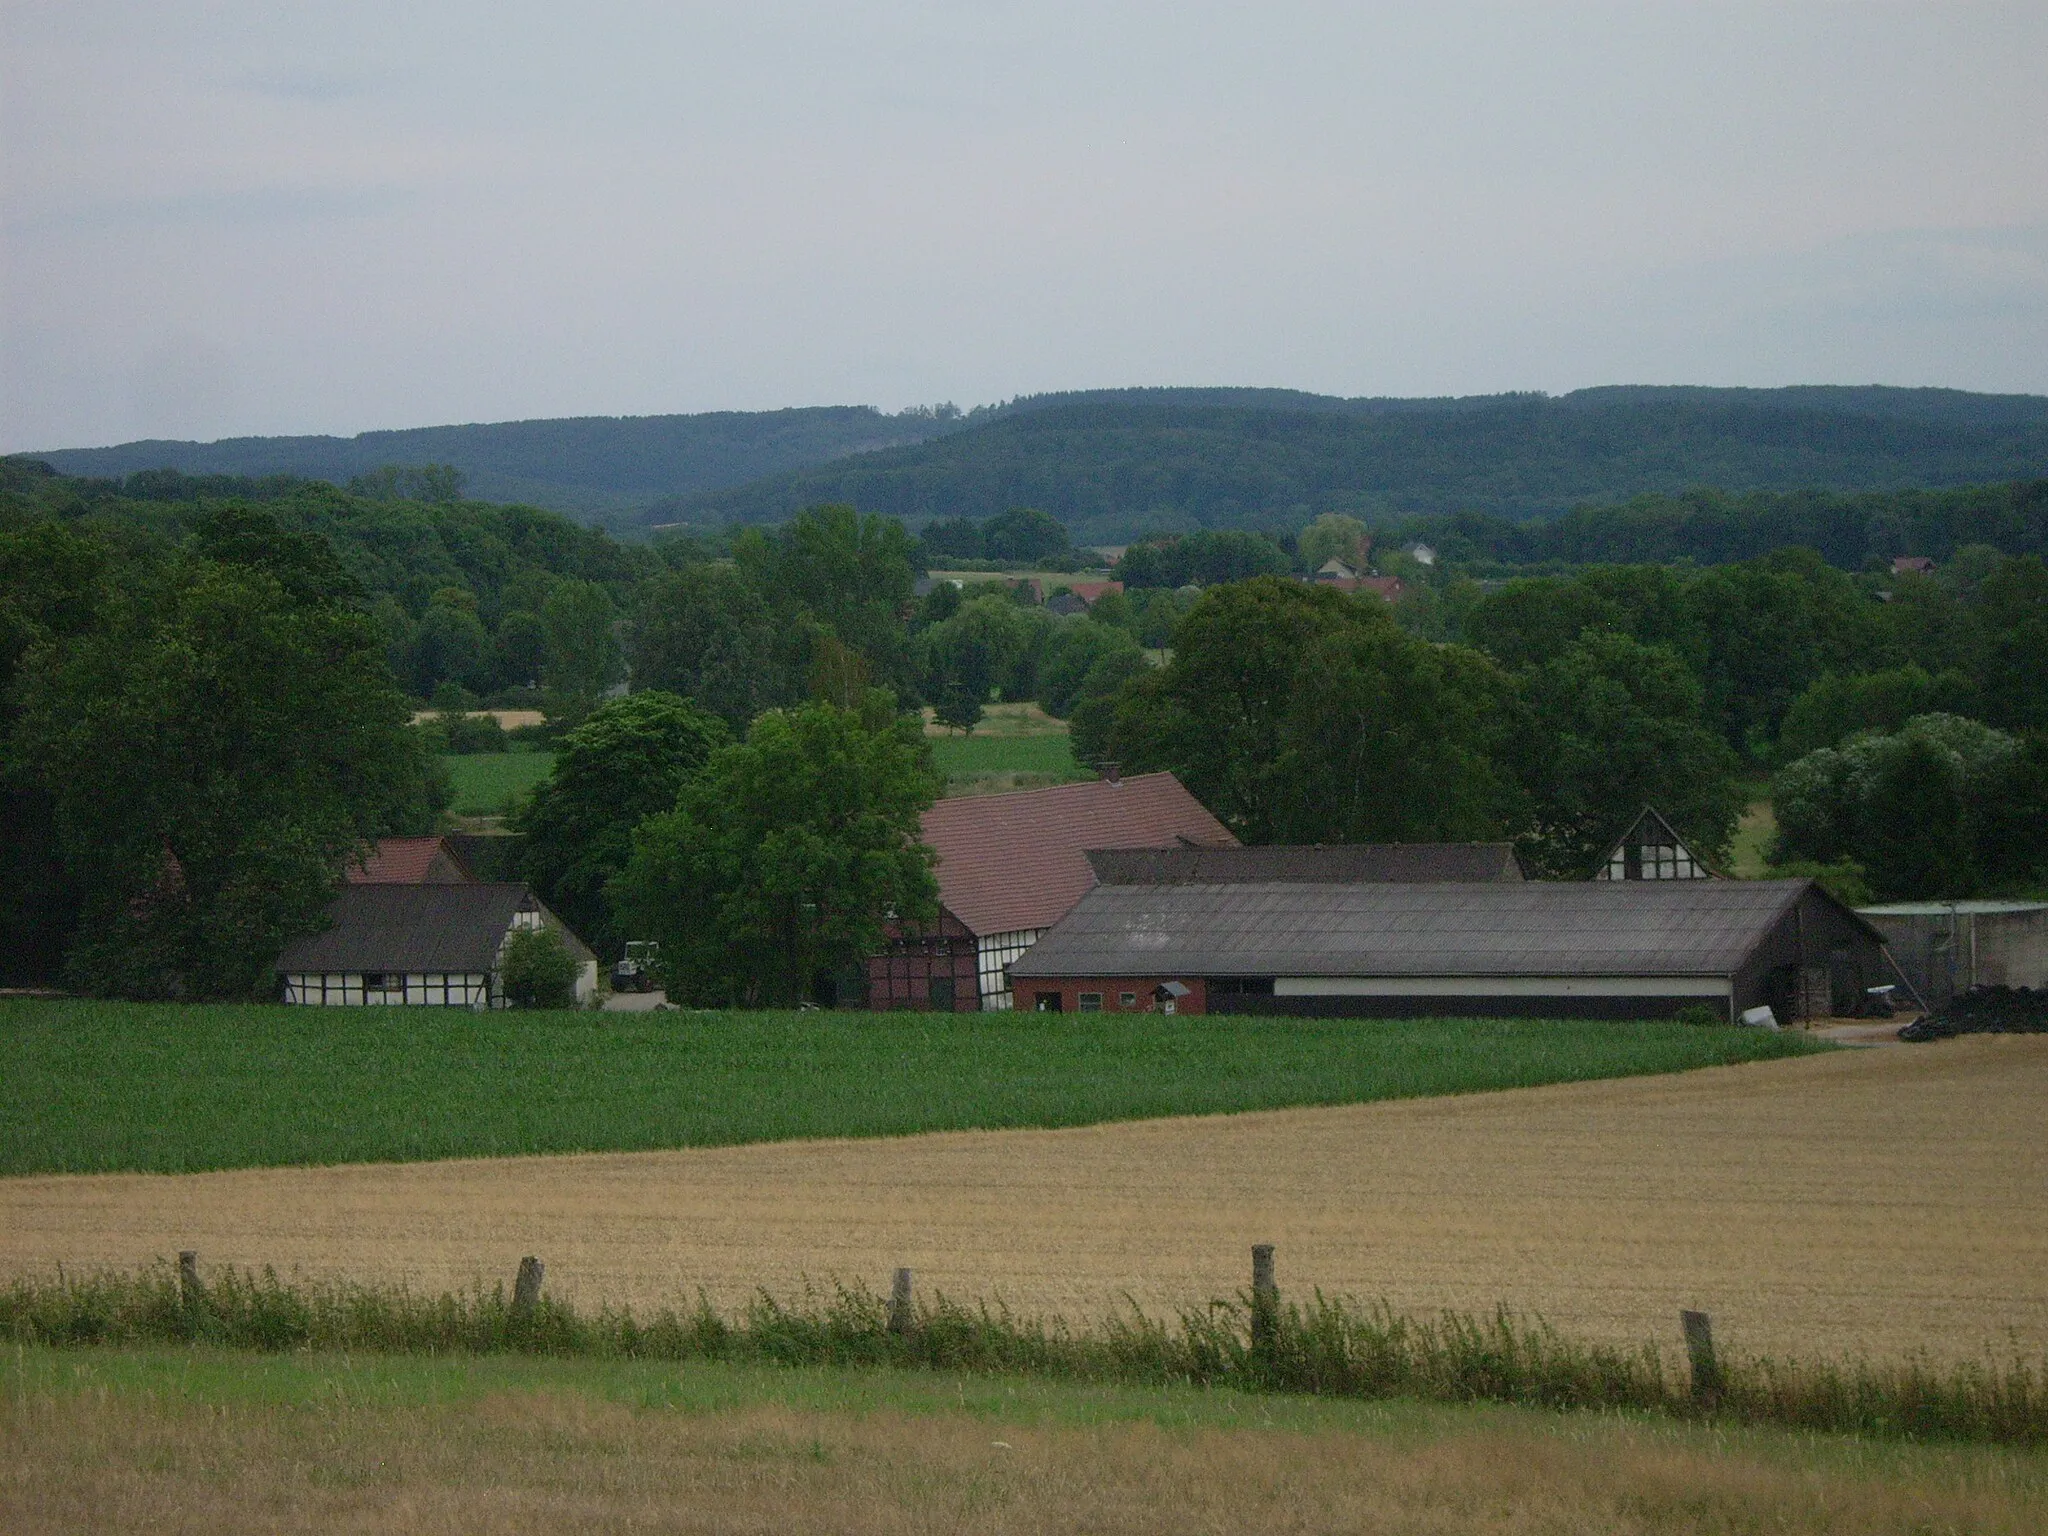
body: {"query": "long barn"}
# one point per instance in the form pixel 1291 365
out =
pixel 1613 949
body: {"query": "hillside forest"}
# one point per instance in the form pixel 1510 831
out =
pixel 209 688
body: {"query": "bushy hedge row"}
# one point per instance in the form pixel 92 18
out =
pixel 1324 1347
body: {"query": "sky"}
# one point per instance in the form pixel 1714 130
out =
pixel 231 218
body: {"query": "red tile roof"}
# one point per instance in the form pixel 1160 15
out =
pixel 1090 592
pixel 409 861
pixel 1016 861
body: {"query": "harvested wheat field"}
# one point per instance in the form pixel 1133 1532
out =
pixel 1862 1202
pixel 554 1462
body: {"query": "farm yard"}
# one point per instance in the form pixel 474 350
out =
pixel 1873 1203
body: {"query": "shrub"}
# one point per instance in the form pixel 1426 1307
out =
pixel 1699 1015
pixel 539 971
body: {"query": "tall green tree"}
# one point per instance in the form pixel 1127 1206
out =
pixel 1610 725
pixel 1217 714
pixel 851 574
pixel 1392 739
pixel 1333 536
pixel 216 750
pixel 629 760
pixel 784 860
pixel 584 655
pixel 705 633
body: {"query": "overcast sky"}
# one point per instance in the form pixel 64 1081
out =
pixel 236 218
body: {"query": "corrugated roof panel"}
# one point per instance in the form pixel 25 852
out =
pixel 1590 928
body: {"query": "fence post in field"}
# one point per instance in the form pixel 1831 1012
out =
pixel 1699 1349
pixel 526 1288
pixel 191 1293
pixel 902 1317
pixel 1265 1300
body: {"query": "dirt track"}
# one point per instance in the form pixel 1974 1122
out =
pixel 1868 1201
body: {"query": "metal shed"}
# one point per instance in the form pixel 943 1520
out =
pixel 1617 949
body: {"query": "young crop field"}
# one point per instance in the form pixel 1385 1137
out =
pixel 92 1086
pixel 493 783
pixel 1868 1203
pixel 119 1440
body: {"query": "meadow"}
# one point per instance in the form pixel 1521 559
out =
pixel 493 783
pixel 204 1438
pixel 89 1086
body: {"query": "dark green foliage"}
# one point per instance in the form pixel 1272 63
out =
pixel 2013 621
pixel 1024 534
pixel 538 971
pixel 1943 807
pixel 1297 713
pixel 1391 740
pixel 1115 462
pixel 1850 530
pixel 213 747
pixel 989 643
pixel 1611 726
pixel 1325 1347
pixel 1835 708
pixel 629 760
pixel 1200 559
pixel 783 860
pixel 583 654
pixel 581 465
pixel 704 632
pixel 833 570
pixel 89 1087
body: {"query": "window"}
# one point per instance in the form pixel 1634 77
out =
pixel 1091 1002
pixel 375 981
pixel 1046 1002
pixel 1127 999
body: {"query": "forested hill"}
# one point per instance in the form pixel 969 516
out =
pixel 1111 464
pixel 607 467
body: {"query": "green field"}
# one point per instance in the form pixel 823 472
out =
pixel 964 756
pixel 491 783
pixel 92 1086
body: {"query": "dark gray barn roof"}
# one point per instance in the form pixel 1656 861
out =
pixel 1307 864
pixel 1529 928
pixel 414 928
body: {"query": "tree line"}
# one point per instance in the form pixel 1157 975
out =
pixel 232 669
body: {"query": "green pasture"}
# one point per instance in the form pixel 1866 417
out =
pixel 969 756
pixel 90 1086
pixel 492 783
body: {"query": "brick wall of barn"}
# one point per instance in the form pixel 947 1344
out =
pixel 1110 994
pixel 918 955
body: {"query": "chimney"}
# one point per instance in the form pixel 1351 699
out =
pixel 1110 773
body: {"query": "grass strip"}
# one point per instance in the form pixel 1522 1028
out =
pixel 92 1087
pixel 1326 1347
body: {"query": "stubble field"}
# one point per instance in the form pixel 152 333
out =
pixel 1874 1203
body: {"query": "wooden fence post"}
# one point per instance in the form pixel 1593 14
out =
pixel 1699 1349
pixel 191 1292
pixel 902 1317
pixel 526 1288
pixel 1265 1300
